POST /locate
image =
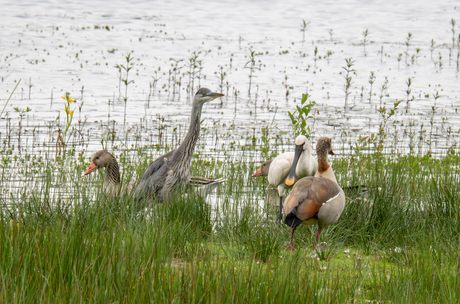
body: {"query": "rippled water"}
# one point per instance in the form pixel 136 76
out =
pixel 57 47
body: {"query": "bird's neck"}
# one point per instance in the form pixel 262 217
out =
pixel 112 175
pixel 187 146
pixel 303 165
pixel 325 170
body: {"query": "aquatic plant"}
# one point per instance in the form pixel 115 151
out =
pixel 348 79
pixel 383 89
pixel 365 41
pixel 251 65
pixel 126 81
pixel 221 77
pixel 68 112
pixel 408 40
pixel 9 97
pixel 303 28
pixel 371 82
pixel 300 117
pixel 331 33
pixel 408 91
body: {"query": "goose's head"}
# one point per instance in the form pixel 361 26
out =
pixel 100 159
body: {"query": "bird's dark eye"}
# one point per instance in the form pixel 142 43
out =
pixel 203 93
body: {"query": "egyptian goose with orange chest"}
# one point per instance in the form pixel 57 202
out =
pixel 315 200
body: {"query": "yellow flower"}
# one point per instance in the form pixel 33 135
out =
pixel 68 111
pixel 67 98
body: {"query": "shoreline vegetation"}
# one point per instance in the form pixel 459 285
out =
pixel 397 241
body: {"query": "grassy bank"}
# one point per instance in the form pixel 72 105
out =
pixel 397 243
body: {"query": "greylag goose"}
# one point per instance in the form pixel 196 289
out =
pixel 315 200
pixel 171 172
pixel 104 159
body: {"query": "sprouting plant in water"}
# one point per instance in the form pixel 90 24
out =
pixel 176 67
pixel 458 53
pixel 452 22
pixel 22 113
pixel 265 142
pixel 331 32
pixel 127 67
pixel 415 56
pixel 408 91
pixel 328 56
pixel 379 139
pixel 408 39
pixel 315 58
pixel 433 113
pixel 348 79
pixel 399 60
pixel 383 89
pixel 301 115
pixel 221 76
pixel 432 48
pixel 303 28
pixel 365 41
pixel 371 81
pixel 435 96
pixel 251 65
pixel 9 97
pixel 192 65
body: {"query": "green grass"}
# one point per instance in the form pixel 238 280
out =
pixel 397 244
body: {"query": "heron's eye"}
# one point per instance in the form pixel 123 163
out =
pixel 203 93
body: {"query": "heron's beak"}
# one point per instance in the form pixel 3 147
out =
pixel 214 95
pixel 290 180
pixel 258 173
pixel 92 167
pixel 331 152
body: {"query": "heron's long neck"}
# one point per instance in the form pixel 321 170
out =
pixel 112 176
pixel 185 150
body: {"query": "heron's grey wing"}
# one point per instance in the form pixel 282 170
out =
pixel 152 176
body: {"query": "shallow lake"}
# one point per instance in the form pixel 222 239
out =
pixel 175 47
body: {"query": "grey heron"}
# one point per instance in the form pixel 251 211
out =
pixel 171 172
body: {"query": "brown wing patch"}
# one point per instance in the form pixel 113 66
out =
pixel 307 209
pixel 309 194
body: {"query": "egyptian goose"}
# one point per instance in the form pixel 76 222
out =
pixel 315 200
